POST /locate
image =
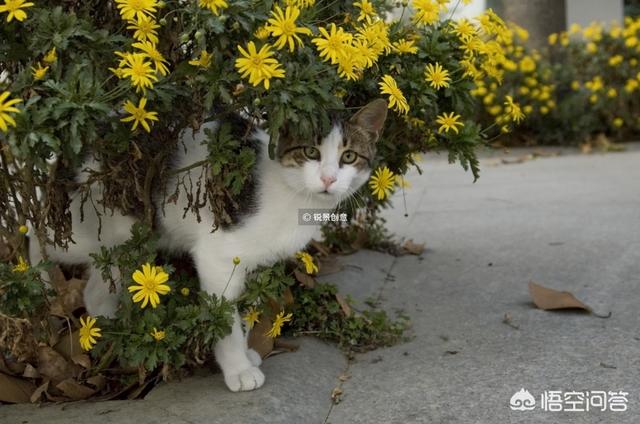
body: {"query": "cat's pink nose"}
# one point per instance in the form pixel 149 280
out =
pixel 327 181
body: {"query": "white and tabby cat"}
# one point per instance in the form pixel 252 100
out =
pixel 317 174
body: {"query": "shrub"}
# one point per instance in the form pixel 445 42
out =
pixel 119 81
pixel 584 83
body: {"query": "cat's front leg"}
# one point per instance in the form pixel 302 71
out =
pixel 240 372
pixel 238 364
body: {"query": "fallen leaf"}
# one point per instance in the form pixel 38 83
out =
pixel 53 365
pixel 37 394
pixel 69 345
pixel 69 298
pixel 414 248
pixel 97 381
pixel 83 360
pixel 320 247
pixel 257 339
pixel 548 299
pixel 74 390
pixel 304 278
pixel 328 265
pixel 344 305
pixel 15 390
pixel 586 148
pixel 30 372
pixel 335 395
pixel 508 319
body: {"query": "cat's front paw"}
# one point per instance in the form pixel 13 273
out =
pixel 254 357
pixel 249 379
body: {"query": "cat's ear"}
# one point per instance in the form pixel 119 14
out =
pixel 371 117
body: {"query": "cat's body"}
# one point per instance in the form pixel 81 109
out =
pixel 304 176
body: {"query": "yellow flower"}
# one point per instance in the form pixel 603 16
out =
pixel 437 76
pixel 618 122
pixel 139 115
pixel 592 98
pixel 513 110
pixel 449 122
pixel 575 85
pixel 145 29
pixel 527 64
pixel 158 335
pixel 251 317
pixel 381 183
pixel 615 60
pixel 151 282
pixel 426 12
pixel 553 39
pixel 464 29
pixel 361 55
pixel 262 33
pixel 13 8
pixel 367 11
pixel 631 85
pixel 404 46
pixel 51 56
pixel 214 5
pixel 396 98
pixel 204 61
pixel 259 66
pixel 377 36
pixel 612 92
pixel 139 70
pixel 131 9
pixel 307 260
pixel 88 333
pixel 185 291
pixel 236 260
pixel 276 328
pixel 23 229
pixel 300 3
pixel 21 266
pixel 5 109
pixel 39 72
pixel 544 110
pixel 283 26
pixel 332 43
pixel 592 47
pixel 159 62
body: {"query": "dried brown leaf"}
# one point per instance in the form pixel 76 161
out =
pixel 15 390
pixel 74 390
pixel 548 299
pixel 83 360
pixel 53 365
pixel 346 309
pixel 304 278
pixel 328 265
pixel 30 372
pixel 69 345
pixel 413 248
pixel 97 381
pixel 257 339
pixel 37 394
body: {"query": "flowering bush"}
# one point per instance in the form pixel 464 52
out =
pixel 584 83
pixel 119 80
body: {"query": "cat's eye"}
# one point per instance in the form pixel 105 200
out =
pixel 349 157
pixel 311 153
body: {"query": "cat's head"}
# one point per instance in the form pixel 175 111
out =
pixel 333 167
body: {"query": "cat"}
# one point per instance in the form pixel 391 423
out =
pixel 303 175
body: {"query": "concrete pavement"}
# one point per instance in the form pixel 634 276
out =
pixel 570 222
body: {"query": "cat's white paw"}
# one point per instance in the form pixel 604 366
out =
pixel 249 379
pixel 254 357
pixel 106 307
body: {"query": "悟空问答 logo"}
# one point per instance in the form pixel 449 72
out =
pixel 522 400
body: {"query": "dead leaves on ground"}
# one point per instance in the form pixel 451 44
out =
pixel 549 299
